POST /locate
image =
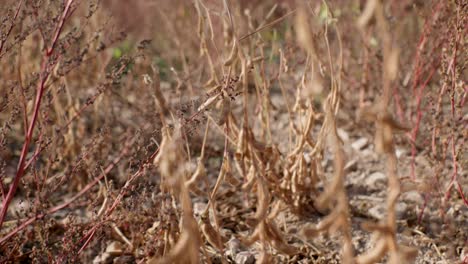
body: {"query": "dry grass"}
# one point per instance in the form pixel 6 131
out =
pixel 218 131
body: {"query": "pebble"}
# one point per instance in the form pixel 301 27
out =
pixel 245 257
pixel 400 152
pixel 379 211
pixel 401 208
pixel 233 246
pixel 307 157
pixel 376 180
pixel 412 196
pixel 125 259
pixel 199 208
pixel 360 143
pixel 343 134
pixel 351 165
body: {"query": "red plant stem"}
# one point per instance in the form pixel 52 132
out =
pixel 24 151
pixel 88 187
pixel 127 184
pixel 416 79
pixel 398 106
pixel 421 43
pixel 435 130
pixel 91 99
pixel 453 65
pixel 40 91
pixel 90 237
pixel 414 132
pixel 11 27
pixel 90 234
pixel 463 100
pixel 454 176
pixel 2 189
pixel 460 191
pixel 426 198
pixel 84 190
pixel 77 114
pixel 59 28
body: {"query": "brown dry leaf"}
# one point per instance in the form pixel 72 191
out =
pixel 226 109
pixel 391 68
pixel 232 55
pixel 199 173
pixel 250 179
pixel 172 166
pixel 212 236
pixel 276 239
pixel 267 233
pixel 263 196
pixel 186 250
pixel 229 177
pixel 183 252
pixel 368 13
pixel 374 255
pixel 303 32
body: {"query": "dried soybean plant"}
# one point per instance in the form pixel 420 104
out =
pixel 261 166
pixel 385 127
pixel 247 181
pixel 282 180
pixel 334 195
pixel 258 163
pixel 173 168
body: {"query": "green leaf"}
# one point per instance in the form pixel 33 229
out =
pixel 117 53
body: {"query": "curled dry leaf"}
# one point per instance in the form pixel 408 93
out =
pixel 229 177
pixel 263 196
pixel 368 13
pixel 268 233
pixel 182 252
pixel 303 32
pixel 250 179
pixel 232 55
pixel 212 236
pixel 391 68
pixel 226 109
pixel 200 172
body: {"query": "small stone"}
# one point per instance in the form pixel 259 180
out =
pixel 154 227
pixel 360 143
pixel 400 152
pixel 307 157
pixel 114 248
pixel 233 246
pixel 124 259
pixel 400 209
pixel 377 211
pixel 369 153
pixel 343 134
pixel 376 180
pixel 351 165
pixel 199 208
pixel 422 161
pixel 245 257
pixel 102 258
pixel 19 207
pixel 325 163
pixel 412 196
pixel 464 253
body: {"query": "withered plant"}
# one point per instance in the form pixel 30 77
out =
pixel 220 131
